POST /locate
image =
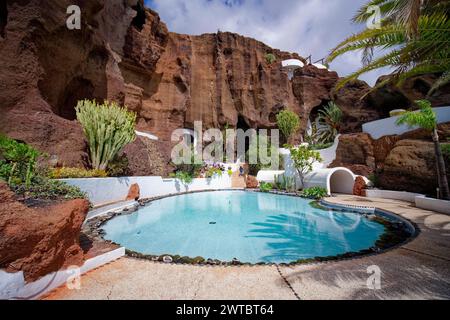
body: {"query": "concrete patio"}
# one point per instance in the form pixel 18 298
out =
pixel 419 269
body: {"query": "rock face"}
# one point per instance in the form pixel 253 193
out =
pixel 405 162
pixel 39 241
pixel 252 182
pixel 359 188
pixel 134 193
pixel 124 52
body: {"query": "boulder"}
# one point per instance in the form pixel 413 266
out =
pixel 41 240
pixel 359 188
pixel 134 192
pixel 252 182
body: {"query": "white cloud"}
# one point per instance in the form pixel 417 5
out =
pixel 302 26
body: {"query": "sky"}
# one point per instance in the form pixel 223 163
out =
pixel 303 26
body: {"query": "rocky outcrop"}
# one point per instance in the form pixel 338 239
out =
pixel 391 96
pixel 359 188
pixel 399 162
pixel 124 52
pixel 252 182
pixel 134 192
pixel 41 240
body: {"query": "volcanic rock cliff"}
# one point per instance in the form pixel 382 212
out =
pixel 124 52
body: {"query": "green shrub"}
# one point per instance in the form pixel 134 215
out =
pixel 17 161
pixel 265 186
pixel 67 173
pixel 320 146
pixel 316 193
pixel 284 182
pixel 107 127
pixel 185 177
pixel 270 58
pixel 118 167
pixel 43 188
pixel 288 122
pixel 303 159
pixel 212 171
pixel 446 149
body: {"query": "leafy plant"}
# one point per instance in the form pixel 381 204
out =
pixel 265 186
pixel 185 177
pixel 316 193
pixel 67 173
pixel 426 119
pixel 17 161
pixel 230 172
pixel 118 167
pixel 320 146
pixel 303 158
pixel 107 127
pixel 288 122
pixel 283 182
pixel 413 36
pixel 213 171
pixel 446 149
pixel 329 119
pixel 44 188
pixel 270 58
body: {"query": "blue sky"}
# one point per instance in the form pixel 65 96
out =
pixel 302 26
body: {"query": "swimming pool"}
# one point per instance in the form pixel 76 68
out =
pixel 251 227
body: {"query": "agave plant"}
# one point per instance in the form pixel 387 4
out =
pixel 329 120
pixel 413 36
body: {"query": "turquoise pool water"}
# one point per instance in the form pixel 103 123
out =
pixel 252 227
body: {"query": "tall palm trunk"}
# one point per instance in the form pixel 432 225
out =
pixel 441 172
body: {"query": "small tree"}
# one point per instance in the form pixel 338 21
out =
pixel 303 158
pixel 426 119
pixel 289 123
pixel 107 127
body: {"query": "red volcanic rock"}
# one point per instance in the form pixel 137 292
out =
pixel 39 241
pixel 355 151
pixel 125 53
pixel 134 192
pixel 359 188
pixel 252 182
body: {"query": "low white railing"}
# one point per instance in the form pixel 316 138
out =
pixel 387 127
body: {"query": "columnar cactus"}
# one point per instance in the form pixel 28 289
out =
pixel 107 127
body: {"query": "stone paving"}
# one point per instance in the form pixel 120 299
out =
pixel 419 269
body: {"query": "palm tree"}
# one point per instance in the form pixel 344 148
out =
pixel 426 119
pixel 329 120
pixel 413 36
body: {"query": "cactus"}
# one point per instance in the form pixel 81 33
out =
pixel 107 127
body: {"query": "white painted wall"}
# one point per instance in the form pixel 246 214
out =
pixel 387 127
pixel 268 175
pixel 441 206
pixel 395 195
pixel 103 191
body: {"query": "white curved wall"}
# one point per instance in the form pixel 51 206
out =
pixel 387 127
pixel 335 180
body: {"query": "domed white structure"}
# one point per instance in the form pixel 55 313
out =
pixel 291 65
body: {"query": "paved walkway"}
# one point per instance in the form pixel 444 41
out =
pixel 417 270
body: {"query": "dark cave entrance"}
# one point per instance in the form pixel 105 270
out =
pixel 140 18
pixel 3 18
pixel 77 89
pixel 244 126
pixel 314 114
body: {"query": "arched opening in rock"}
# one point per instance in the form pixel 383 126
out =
pixel 3 18
pixel 139 20
pixel 77 89
pixel 341 181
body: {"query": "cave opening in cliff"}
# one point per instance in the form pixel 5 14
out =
pixel 3 18
pixel 78 89
pixel 139 20
pixel 243 125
